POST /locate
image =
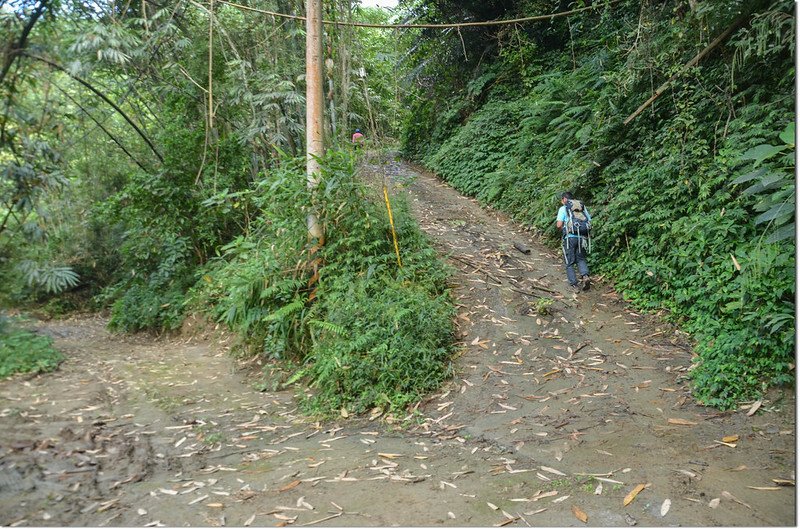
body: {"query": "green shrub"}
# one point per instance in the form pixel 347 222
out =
pixel 24 352
pixel 375 334
pixel 383 343
pixel 148 307
pixel 164 226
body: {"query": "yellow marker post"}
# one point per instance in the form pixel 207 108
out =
pixel 391 222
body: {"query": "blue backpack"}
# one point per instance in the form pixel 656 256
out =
pixel 577 222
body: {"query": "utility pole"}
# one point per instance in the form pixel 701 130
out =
pixel 314 106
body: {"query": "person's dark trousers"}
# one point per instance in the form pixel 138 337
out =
pixel 575 254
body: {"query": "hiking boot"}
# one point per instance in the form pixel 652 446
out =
pixel 585 283
pixel 576 287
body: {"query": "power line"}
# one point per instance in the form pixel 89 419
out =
pixel 433 26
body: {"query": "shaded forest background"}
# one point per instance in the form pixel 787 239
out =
pixel 152 164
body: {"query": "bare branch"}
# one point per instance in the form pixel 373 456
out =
pixel 104 98
pixel 19 49
pixel 100 125
pixel 697 58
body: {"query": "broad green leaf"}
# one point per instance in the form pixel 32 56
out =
pixel 771 181
pixel 773 177
pixel 763 152
pixel 750 176
pixel 782 233
pixel 773 213
pixel 787 136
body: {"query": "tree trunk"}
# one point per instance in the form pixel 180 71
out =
pixel 314 104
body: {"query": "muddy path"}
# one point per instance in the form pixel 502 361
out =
pixel 561 406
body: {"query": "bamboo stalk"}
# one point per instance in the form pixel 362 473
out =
pixel 697 58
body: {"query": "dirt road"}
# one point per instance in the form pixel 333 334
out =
pixel 561 407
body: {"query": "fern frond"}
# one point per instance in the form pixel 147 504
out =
pixel 295 306
pixel 338 330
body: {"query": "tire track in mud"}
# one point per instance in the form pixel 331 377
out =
pixel 138 431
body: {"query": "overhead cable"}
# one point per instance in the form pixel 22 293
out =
pixel 432 26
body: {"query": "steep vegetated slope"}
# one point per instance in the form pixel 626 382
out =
pixel 692 196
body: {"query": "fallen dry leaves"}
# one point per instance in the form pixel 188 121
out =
pixel 632 494
pixel 289 486
pixel 552 471
pixel 754 408
pixel 728 496
pixel 579 514
pixel 681 422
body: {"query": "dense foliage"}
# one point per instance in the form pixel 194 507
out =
pixel 22 351
pixel 144 166
pixel 120 121
pixel 148 166
pixel 376 334
pixel 693 200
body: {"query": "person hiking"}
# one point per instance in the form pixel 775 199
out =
pixel 574 221
pixel 358 138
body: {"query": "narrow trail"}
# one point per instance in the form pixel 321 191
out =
pixel 135 431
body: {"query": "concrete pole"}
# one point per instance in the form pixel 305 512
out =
pixel 314 104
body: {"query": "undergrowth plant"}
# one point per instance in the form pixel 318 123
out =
pixel 22 351
pixel 166 226
pixel 368 333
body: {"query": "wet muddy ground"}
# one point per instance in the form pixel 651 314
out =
pixel 564 407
